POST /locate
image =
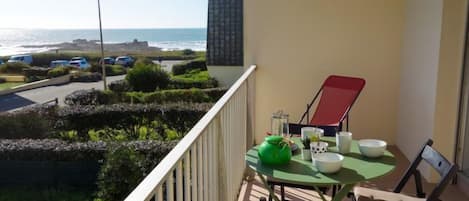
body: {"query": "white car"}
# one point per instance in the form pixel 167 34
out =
pixel 79 63
pixel 79 59
pixel 57 63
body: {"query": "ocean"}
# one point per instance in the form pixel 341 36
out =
pixel 11 40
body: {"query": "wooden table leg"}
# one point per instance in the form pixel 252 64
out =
pixel 271 192
pixel 343 192
pixel 319 193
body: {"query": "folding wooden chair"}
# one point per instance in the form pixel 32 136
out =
pixel 446 169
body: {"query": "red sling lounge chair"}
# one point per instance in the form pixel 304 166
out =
pixel 337 96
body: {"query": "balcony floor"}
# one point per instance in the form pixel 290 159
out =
pixel 253 190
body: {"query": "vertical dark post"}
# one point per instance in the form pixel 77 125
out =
pixel 102 46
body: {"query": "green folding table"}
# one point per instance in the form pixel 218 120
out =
pixel 355 169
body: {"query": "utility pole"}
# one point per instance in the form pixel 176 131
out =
pixel 102 46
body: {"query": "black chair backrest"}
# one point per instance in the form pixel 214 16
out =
pixel 445 169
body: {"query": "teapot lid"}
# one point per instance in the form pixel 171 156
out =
pixel 274 139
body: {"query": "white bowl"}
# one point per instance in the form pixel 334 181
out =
pixel 328 162
pixel 372 148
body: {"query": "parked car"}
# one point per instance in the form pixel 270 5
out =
pixel 79 63
pixel 79 59
pixel 125 61
pixel 108 61
pixel 57 63
pixel 1 62
pixel 27 59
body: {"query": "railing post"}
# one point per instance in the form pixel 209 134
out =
pixel 221 159
pixel 249 174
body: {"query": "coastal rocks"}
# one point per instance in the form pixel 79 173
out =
pixel 94 45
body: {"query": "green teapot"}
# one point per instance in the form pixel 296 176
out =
pixel 274 151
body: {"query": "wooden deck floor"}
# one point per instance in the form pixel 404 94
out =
pixel 254 190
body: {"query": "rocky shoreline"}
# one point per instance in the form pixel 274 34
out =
pixel 94 45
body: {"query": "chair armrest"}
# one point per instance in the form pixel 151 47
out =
pixel 383 195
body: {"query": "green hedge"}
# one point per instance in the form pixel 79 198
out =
pixel 13 68
pixel 35 123
pixel 44 59
pixel 59 150
pixel 58 71
pixel 136 121
pixel 98 97
pixel 129 118
pixel 187 84
pixel 185 67
pixel 35 71
pixel 111 70
pixel 86 77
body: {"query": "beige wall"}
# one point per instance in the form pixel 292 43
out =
pixel 419 73
pixel 297 44
pixel 449 76
pixel 432 58
pixel 225 75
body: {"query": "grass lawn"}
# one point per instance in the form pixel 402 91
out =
pixel 44 194
pixel 8 85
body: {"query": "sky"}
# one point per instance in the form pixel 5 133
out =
pixel 83 14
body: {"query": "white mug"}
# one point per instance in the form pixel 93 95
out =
pixel 343 141
pixel 318 148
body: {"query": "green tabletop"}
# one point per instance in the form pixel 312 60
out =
pixel 356 168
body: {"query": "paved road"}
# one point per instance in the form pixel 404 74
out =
pixel 44 94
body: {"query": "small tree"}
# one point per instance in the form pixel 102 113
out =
pixel 120 173
pixel 147 78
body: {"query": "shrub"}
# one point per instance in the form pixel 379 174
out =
pixel 3 80
pixel 119 174
pixel 147 78
pixel 117 70
pixel 35 71
pixel 179 69
pixel 111 70
pixel 44 59
pixel 13 68
pixel 58 71
pixel 119 86
pixel 34 78
pixel 35 123
pixel 144 61
pixel 188 52
pixel 124 168
pixel 86 77
pixel 88 97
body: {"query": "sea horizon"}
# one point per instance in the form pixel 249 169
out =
pixel 12 39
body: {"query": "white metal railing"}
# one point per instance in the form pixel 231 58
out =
pixel 208 163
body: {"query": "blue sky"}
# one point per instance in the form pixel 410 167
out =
pixel 79 14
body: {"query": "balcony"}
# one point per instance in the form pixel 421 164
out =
pixel 208 163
